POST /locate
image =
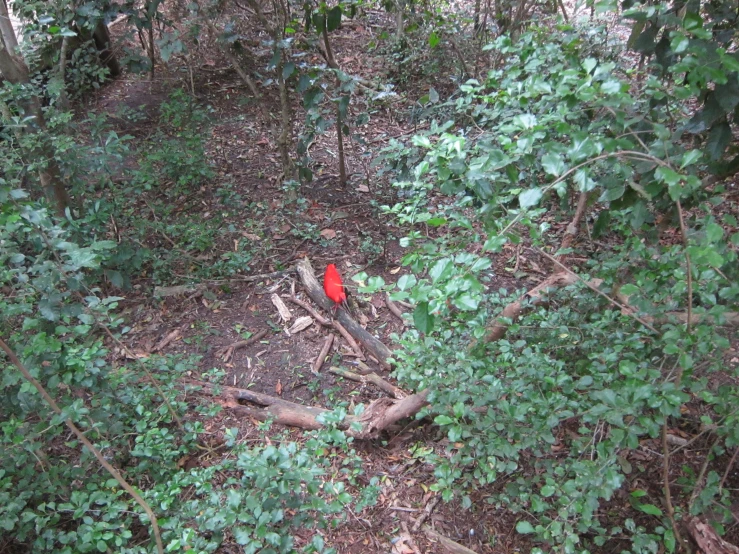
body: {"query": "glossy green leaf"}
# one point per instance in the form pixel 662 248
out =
pixel 422 319
pixel 530 197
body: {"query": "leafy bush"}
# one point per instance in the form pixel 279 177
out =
pixel 544 419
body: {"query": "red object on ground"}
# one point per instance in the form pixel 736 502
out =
pixel 332 285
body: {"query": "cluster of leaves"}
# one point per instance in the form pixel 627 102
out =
pixel 46 25
pixel 696 43
pixel 579 377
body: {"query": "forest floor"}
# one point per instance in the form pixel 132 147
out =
pixel 330 224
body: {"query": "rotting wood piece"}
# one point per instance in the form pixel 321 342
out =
pixel 380 415
pixel 708 540
pixel 322 355
pixel 315 291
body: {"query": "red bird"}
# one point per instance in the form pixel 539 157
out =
pixel 333 287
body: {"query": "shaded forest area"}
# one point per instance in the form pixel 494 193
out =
pixel 533 208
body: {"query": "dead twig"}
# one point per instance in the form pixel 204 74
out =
pixel 329 323
pixel 409 538
pixel 349 339
pixel 324 352
pixel 707 539
pixel 669 507
pixel 728 469
pixel 171 337
pixel 573 228
pixel 426 513
pixel 373 378
pixel 226 352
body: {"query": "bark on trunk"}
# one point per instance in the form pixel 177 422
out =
pixel 104 46
pixel 7 33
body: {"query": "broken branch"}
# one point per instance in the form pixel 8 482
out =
pixel 315 291
pixel 226 352
pixel 373 378
pixel 324 352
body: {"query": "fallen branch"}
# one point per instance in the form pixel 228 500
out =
pixel 324 352
pixel 426 513
pixel 534 296
pixel 373 378
pixel 574 226
pixel 591 286
pixel 178 290
pixel 233 60
pixel 394 309
pixel 329 323
pixel 447 543
pixel 315 291
pixel 172 336
pixel 380 415
pixel 730 318
pixel 707 540
pixel 226 352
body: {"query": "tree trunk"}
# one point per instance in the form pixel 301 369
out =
pixel 339 123
pixel 283 140
pixel 14 69
pixel 476 18
pixel 104 45
pixel 7 33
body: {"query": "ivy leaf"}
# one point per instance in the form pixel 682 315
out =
pixel 714 232
pixel 48 309
pixel 242 535
pixel 334 18
pixel 589 64
pixel 553 164
pixel 524 527
pixel 494 244
pixel 690 157
pixel 440 268
pixel 406 281
pixel 727 95
pixel 288 70
pixel 650 509
pixel 718 140
pixel 422 319
pixel 466 302
pixel 443 420
pixel 319 22
pixel 530 197
pixel 547 491
pixel 583 181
